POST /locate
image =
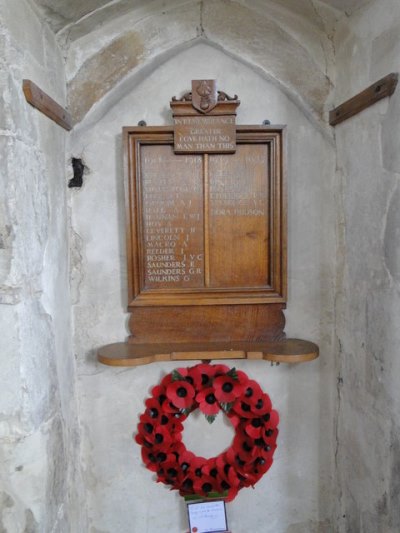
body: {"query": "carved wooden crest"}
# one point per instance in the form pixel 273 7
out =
pixel 204 95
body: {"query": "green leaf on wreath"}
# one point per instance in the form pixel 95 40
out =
pixel 185 411
pixel 210 418
pixel 232 373
pixel 176 376
pixel 226 407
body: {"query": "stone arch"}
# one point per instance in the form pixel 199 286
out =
pixel 259 42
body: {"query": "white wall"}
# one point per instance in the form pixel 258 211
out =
pixel 297 494
pixel 39 440
pixel 368 311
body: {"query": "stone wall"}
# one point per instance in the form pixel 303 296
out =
pixel 337 465
pixel 297 493
pixel 368 302
pixel 39 437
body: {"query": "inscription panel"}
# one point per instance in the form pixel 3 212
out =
pixel 205 134
pixel 172 219
pixel 239 218
pixel 205 229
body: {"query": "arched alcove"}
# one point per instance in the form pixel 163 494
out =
pixel 100 283
pixel 298 60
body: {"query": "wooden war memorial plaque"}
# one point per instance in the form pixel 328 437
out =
pixel 206 238
pixel 205 229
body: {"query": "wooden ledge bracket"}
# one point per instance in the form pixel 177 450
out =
pixel 286 351
pixel 380 89
pixel 44 103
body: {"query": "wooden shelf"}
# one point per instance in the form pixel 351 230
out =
pixel 285 351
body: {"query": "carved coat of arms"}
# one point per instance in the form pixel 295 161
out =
pixel 204 95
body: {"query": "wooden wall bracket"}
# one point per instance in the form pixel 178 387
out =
pixel 380 89
pixel 46 105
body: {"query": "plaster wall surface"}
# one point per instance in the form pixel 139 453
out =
pixel 368 302
pixel 296 495
pixel 39 443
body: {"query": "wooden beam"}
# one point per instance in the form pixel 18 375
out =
pixel 44 103
pixel 380 89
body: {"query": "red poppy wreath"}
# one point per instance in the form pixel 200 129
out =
pixel 210 388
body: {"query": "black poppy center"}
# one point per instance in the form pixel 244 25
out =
pixel 246 447
pixel 207 487
pixel 245 407
pixel 148 427
pixel 164 420
pixel 225 485
pixel 158 438
pixel 259 404
pixel 239 461
pixel 161 456
pixel 153 412
pixel 188 484
pixel 198 472
pixel 161 399
pixel 181 392
pixel 184 466
pixel 227 387
pixel 204 379
pixel 189 379
pixel 210 398
pixel 152 458
pixel 213 472
pixel 172 472
pixel 249 392
pixel 269 432
pixel 267 417
pixel 259 442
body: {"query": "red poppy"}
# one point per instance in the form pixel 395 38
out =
pixel 245 447
pixel 204 485
pixel 161 437
pixel 262 465
pixel 274 418
pixel 202 375
pixel 220 370
pixel 142 441
pixel 158 394
pixel 252 390
pixel 242 377
pixel 234 418
pixel 261 405
pixel 149 457
pixel 181 394
pixel 227 478
pixel 166 380
pixel 187 485
pixel 208 403
pixel 254 427
pixel 170 472
pixel 196 465
pixel 227 389
pixel 243 408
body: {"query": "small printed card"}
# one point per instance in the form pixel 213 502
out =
pixel 207 517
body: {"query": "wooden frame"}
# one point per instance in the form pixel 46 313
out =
pixel 209 286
